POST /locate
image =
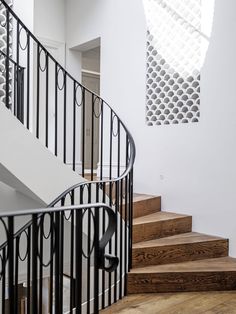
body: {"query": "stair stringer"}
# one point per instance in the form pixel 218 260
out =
pixel 28 166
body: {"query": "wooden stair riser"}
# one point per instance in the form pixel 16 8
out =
pixel 167 254
pixel 160 229
pixel 146 206
pixel 178 282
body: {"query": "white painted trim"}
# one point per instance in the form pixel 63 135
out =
pixel 93 73
pixel 106 169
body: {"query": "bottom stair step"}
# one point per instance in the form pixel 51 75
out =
pixel 216 274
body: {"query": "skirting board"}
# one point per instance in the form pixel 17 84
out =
pixel 107 170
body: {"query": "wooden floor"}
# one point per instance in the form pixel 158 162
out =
pixel 176 303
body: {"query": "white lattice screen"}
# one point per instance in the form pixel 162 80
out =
pixel 173 61
pixel 3 41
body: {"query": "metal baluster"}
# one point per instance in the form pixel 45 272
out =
pixel 101 144
pixel 28 82
pixel 61 243
pixel 11 263
pixel 3 279
pixel 29 270
pixel 72 285
pixel 88 250
pixel 92 136
pixel 56 109
pixel 65 90
pixel 126 248
pixel 116 238
pixel 46 103
pixel 83 131
pixel 121 238
pixel 15 88
pixel 51 283
pixel 57 264
pixel 78 256
pixel 17 69
pixel 16 263
pixel 41 263
pixel 74 126
pixel 103 231
pixel 34 264
pixel 110 198
pixel 7 59
pixel 96 254
pixel 130 217
pixel 38 89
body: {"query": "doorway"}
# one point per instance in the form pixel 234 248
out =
pixel 91 80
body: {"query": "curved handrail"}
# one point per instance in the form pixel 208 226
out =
pixel 102 242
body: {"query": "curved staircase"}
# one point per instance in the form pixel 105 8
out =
pixel 167 256
pixel 80 249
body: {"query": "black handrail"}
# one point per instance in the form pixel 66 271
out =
pixel 111 190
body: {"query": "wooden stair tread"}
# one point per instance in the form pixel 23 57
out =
pixel 222 264
pixel 158 216
pixel 142 197
pixel 184 238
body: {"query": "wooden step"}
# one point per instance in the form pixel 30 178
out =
pixel 178 248
pixel 145 205
pixel 205 275
pixel 159 225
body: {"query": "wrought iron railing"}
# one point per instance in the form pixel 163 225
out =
pixel 29 272
pixel 77 252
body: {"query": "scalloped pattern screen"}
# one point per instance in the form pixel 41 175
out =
pixel 3 45
pixel 173 61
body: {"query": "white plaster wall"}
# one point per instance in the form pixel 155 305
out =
pixel 25 11
pixel 13 200
pixel 192 166
pixel 49 21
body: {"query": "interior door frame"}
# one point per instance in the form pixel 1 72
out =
pixel 95 75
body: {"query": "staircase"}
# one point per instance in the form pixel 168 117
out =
pixel 76 254
pixel 167 256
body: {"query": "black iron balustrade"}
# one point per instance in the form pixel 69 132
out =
pixel 25 250
pixel 81 129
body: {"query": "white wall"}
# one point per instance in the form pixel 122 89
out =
pixel 13 200
pixel 49 21
pixel 192 166
pixel 91 60
pixel 25 11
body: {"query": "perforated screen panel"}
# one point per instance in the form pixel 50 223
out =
pixel 3 47
pixel 173 61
